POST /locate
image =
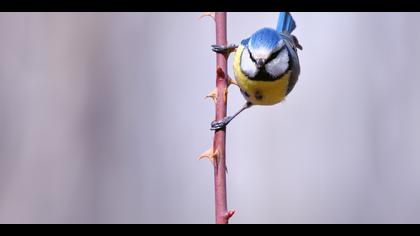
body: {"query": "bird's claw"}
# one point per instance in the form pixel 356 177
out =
pixel 221 124
pixel 223 48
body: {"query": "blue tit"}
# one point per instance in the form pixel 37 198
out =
pixel 266 66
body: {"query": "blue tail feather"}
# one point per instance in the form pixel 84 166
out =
pixel 285 23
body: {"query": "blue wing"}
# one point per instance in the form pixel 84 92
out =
pixel 285 23
pixel 295 65
pixel 285 26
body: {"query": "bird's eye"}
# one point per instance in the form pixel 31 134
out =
pixel 272 56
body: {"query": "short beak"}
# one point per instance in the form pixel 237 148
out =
pixel 260 63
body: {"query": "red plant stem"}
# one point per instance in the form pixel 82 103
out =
pixel 219 142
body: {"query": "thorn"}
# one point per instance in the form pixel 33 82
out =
pixel 211 14
pixel 229 214
pixel 232 81
pixel 212 95
pixel 210 154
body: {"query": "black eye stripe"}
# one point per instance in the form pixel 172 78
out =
pixel 274 55
pixel 250 56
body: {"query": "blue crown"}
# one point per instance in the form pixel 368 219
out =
pixel 265 37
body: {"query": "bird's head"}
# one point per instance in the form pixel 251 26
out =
pixel 265 50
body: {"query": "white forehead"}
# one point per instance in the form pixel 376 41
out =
pixel 263 52
pixel 260 52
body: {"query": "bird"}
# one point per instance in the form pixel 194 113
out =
pixel 266 65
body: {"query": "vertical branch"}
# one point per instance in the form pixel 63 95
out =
pixel 219 142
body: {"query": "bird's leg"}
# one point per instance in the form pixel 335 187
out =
pixel 224 49
pixel 221 124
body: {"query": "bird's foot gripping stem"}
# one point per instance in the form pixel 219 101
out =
pixel 223 49
pixel 221 124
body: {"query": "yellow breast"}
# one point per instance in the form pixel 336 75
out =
pixel 259 92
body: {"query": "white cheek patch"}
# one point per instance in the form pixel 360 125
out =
pixel 279 64
pixel 247 65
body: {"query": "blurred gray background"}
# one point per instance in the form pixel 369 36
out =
pixel 102 117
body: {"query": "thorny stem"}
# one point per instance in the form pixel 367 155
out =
pixel 219 142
